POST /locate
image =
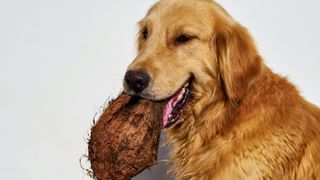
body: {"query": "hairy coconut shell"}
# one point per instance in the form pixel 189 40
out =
pixel 125 139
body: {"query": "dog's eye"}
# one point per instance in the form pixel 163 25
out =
pixel 145 34
pixel 183 38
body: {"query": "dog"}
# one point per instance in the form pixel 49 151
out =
pixel 227 115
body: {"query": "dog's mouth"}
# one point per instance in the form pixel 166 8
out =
pixel 175 104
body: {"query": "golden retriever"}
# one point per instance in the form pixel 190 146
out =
pixel 227 115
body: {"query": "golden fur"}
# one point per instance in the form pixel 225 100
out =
pixel 244 121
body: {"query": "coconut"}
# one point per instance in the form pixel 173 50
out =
pixel 125 140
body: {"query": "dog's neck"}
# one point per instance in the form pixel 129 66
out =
pixel 211 116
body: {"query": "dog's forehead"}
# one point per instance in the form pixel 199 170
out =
pixel 173 12
pixel 176 15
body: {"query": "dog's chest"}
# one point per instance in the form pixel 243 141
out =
pixel 223 158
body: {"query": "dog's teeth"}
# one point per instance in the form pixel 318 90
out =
pixel 170 115
pixel 186 85
pixel 183 91
pixel 181 94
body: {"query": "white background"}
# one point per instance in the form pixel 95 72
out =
pixel 61 59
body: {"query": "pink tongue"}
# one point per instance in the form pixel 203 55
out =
pixel 169 108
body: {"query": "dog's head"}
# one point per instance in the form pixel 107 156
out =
pixel 191 45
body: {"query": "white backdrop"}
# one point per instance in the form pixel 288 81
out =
pixel 60 60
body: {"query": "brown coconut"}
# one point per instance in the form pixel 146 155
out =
pixel 125 139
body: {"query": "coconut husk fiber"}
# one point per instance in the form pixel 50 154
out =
pixel 125 140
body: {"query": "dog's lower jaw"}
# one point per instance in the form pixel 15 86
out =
pixel 191 138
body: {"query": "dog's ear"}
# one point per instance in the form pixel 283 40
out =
pixel 238 59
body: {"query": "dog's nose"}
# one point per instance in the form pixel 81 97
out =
pixel 137 80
